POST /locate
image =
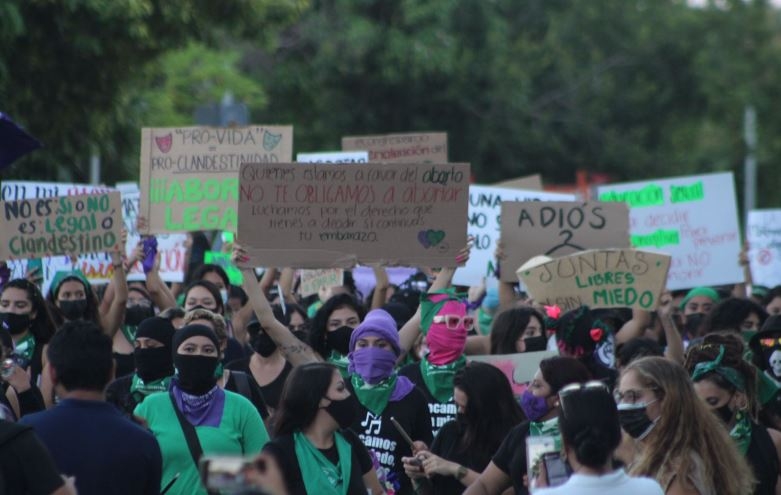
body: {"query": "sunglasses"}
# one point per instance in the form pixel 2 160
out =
pixel 770 342
pixel 577 387
pixel 453 321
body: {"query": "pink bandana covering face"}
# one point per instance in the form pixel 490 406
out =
pixel 445 344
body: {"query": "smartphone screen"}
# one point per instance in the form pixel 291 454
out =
pixel 556 469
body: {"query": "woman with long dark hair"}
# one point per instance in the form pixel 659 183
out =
pixel 317 452
pixel 518 330
pixel 487 411
pixel 332 326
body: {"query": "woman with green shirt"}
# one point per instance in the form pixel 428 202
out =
pixel 225 423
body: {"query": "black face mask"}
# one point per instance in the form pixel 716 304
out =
pixel 73 310
pixel 339 339
pixel 343 411
pixel 634 420
pixel 262 344
pixel 153 363
pixel 196 373
pixel 134 315
pixel 15 323
pixel 693 323
pixel 536 344
pixel 725 413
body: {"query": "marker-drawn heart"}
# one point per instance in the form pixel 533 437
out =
pixel 164 142
pixel 423 239
pixel 270 141
pixel 435 236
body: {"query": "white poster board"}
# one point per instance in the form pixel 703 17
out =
pixel 694 219
pixel 483 221
pixel 763 234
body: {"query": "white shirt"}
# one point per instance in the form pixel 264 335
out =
pixel 615 483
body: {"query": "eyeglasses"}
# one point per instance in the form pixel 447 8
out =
pixel 629 396
pixel 453 321
pixel 577 387
pixel 770 342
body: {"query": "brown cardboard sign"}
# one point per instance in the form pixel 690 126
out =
pixel 313 280
pixel 41 227
pixel 529 182
pixel 558 228
pixel 335 215
pixel 599 278
pixel 190 175
pixel 401 148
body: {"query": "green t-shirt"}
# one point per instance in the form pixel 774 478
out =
pixel 241 432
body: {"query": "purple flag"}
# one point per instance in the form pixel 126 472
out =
pixel 14 141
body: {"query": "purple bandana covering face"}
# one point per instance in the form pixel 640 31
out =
pixel 372 364
pixel 403 387
pixel 201 410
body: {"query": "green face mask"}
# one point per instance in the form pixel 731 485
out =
pixel 747 334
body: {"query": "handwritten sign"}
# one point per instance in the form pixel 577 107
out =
pixel 763 234
pixel 528 182
pixel 484 220
pixel 313 280
pixel 171 247
pixel 334 216
pixel 189 176
pixel 334 157
pixel 35 228
pixel 694 219
pixel 560 228
pixel 401 148
pixel 518 368
pixel 599 278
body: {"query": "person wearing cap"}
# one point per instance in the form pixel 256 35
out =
pixel 382 395
pixel 696 305
pixel 217 420
pixel 154 366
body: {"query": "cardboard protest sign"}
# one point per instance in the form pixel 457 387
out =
pixel 189 175
pixel 313 280
pixel 484 219
pixel 169 246
pixel 694 219
pixel 518 368
pixel 97 267
pixel 401 148
pixel 529 182
pixel 559 228
pixel 334 157
pixel 763 234
pixel 599 278
pixel 36 228
pixel 334 216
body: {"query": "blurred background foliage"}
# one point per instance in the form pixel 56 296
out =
pixel 629 88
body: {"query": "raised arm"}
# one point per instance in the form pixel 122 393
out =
pixel 380 287
pixel 113 318
pixel 635 327
pixel 295 351
pixel 674 351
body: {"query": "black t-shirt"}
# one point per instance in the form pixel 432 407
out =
pixel 26 467
pixel 441 413
pixel 511 457
pixel 379 435
pixel 243 384
pixel 271 392
pixel 446 445
pixel 763 459
pixel 284 449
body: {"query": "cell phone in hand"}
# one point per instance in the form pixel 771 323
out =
pixel 557 470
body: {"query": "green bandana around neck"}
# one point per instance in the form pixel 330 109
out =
pixel 375 398
pixel 26 347
pixel 140 390
pixel 730 374
pixel 485 321
pixel 320 475
pixel 741 432
pixel 129 331
pixel 341 362
pixel 549 428
pixel 439 379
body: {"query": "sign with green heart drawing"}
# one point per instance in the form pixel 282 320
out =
pixel 338 215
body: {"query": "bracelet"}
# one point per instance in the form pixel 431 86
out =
pixel 461 472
